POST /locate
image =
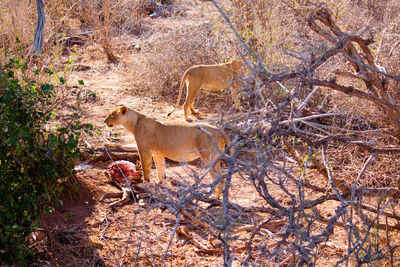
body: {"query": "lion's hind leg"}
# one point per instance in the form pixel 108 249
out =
pixel 146 161
pixel 189 102
pixel 215 172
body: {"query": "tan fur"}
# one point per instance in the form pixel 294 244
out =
pixel 208 77
pixel 176 141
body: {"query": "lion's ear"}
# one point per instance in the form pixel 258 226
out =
pixel 123 110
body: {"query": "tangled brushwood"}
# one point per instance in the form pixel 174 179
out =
pixel 300 152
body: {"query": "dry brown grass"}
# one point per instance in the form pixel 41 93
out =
pixel 166 55
pixel 17 26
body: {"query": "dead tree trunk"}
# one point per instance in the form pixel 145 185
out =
pixel 38 41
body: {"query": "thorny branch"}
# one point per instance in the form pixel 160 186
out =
pixel 301 188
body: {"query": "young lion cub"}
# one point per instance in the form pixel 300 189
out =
pixel 176 142
pixel 208 77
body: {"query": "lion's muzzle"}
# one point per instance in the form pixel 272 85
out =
pixel 108 124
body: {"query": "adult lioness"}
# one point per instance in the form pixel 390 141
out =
pixel 208 77
pixel 176 142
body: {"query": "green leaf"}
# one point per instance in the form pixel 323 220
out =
pixel 32 158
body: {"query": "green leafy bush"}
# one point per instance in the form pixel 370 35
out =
pixel 32 158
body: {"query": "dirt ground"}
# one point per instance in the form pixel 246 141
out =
pixel 85 231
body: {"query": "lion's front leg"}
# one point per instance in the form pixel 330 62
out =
pixel 159 160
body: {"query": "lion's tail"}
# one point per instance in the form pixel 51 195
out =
pixel 183 82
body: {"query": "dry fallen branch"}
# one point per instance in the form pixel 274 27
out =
pixel 192 237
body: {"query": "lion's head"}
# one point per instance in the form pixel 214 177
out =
pixel 116 117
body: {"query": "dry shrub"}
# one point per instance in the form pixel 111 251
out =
pixel 276 30
pixel 268 28
pixel 118 16
pixel 19 20
pixel 132 14
pixel 109 19
pixel 103 28
pixel 16 26
pixel 380 20
pixel 377 20
pixel 143 8
pixel 124 16
pixel 348 163
pixel 166 56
